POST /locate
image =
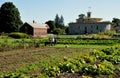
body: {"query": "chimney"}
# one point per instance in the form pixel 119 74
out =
pixel 33 21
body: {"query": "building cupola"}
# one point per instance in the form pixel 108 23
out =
pixel 88 14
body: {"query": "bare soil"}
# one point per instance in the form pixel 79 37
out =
pixel 13 59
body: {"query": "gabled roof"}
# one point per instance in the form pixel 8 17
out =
pixel 38 25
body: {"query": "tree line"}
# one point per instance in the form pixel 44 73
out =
pixel 10 20
pixel 57 26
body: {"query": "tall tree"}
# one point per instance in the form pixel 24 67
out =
pixel 61 21
pixel 10 20
pixel 51 25
pixel 57 20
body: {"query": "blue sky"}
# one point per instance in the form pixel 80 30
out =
pixel 44 10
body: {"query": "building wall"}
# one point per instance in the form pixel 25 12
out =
pixel 26 29
pixel 40 31
pixel 88 28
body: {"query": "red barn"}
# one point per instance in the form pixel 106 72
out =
pixel 34 29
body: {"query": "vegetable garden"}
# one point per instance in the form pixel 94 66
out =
pixel 29 58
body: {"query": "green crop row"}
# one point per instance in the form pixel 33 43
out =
pixel 97 62
pixel 37 42
pixel 88 41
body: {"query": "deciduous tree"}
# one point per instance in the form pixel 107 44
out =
pixel 116 21
pixel 51 25
pixel 10 20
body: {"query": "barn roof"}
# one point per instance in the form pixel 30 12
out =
pixel 38 25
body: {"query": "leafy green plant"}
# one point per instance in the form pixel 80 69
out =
pixel 109 51
pixel 98 54
pixel 89 69
pixel 113 59
pixel 15 75
pixel 88 59
pixel 67 67
pixel 106 67
pixel 51 71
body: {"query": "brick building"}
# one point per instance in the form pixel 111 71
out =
pixel 34 29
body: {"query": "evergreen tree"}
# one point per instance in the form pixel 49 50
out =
pixel 10 20
pixel 61 21
pixel 57 20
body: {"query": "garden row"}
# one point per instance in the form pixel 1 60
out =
pixel 32 42
pixel 89 41
pixel 96 63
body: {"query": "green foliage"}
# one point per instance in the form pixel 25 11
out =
pixel 88 59
pixel 97 62
pixel 51 71
pixel 39 76
pixel 58 31
pixel 110 32
pixel 82 16
pixel 108 51
pixel 67 67
pixel 15 75
pixel 110 54
pixel 18 35
pixel 10 20
pixel 106 67
pixel 59 21
pixel 116 21
pixel 51 25
pixel 87 41
pixel 27 68
pixel 90 69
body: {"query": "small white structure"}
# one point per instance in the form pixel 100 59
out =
pixel 88 25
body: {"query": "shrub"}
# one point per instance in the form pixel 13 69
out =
pixel 58 31
pixel 110 32
pixel 18 35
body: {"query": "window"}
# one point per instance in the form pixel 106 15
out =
pixel 97 28
pixel 85 30
pixel 91 26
